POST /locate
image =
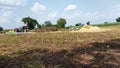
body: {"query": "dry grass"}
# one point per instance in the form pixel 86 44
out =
pixel 88 28
pixel 58 49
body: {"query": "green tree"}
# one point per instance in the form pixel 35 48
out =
pixel 1 29
pixel 78 24
pixel 105 22
pixel 30 22
pixel 55 25
pixel 42 25
pixel 88 23
pixel 48 23
pixel 61 23
pixel 118 19
pixel 38 26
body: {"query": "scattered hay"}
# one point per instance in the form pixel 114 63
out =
pixel 88 28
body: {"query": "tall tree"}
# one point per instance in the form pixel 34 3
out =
pixel 118 19
pixel 38 25
pixel 48 23
pixel 78 24
pixel 30 22
pixel 61 23
pixel 1 29
pixel 88 23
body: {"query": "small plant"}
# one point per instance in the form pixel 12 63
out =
pixel 110 58
pixel 108 47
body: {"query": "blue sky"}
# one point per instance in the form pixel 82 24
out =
pixel 74 11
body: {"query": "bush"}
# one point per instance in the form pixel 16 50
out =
pixel 118 19
pixel 1 29
pixel 67 27
pixel 47 29
pixel 105 22
pixel 88 23
pixel 61 23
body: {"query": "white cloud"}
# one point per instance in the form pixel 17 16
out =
pixel 70 7
pixel 73 15
pixel 52 15
pixel 95 16
pixel 83 17
pixel 18 20
pixel 12 2
pixel 3 20
pixel 38 7
pixel 7 13
pixel 6 17
pixel 116 11
pixel 7 8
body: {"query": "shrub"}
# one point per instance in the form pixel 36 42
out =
pixel 118 19
pixel 1 29
pixel 44 29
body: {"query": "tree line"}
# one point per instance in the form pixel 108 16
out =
pixel 32 23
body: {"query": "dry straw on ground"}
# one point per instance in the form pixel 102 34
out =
pixel 88 28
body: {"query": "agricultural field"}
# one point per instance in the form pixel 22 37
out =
pixel 61 49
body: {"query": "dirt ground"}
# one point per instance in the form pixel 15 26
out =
pixel 61 50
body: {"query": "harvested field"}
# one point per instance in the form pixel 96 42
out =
pixel 60 50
